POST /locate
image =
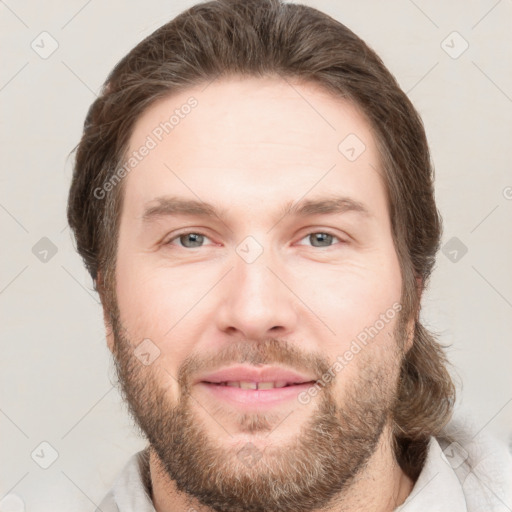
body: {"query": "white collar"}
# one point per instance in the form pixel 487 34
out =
pixel 475 474
pixel 437 488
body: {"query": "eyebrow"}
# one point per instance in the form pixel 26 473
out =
pixel 330 205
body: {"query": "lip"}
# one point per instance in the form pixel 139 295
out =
pixel 254 397
pixel 253 374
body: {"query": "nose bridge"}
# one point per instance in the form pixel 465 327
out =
pixel 252 274
pixel 256 287
pixel 256 301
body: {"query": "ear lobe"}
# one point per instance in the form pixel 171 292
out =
pixel 419 287
pixel 109 331
pixel 411 324
pixel 410 334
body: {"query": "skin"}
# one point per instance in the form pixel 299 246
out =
pixel 249 147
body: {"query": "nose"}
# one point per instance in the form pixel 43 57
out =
pixel 256 304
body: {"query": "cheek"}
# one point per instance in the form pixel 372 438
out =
pixel 353 297
pixel 165 304
pixel 154 306
pixel 364 342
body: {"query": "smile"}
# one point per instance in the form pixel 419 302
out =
pixel 245 394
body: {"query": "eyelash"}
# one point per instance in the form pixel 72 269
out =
pixel 176 237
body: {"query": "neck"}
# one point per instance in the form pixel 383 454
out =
pixel 381 486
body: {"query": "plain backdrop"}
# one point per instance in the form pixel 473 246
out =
pixel 453 60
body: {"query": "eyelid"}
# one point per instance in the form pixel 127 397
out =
pixel 323 231
pixel 168 240
pixel 186 231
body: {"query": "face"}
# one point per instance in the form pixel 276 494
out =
pixel 255 251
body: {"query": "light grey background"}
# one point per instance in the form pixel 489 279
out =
pixel 55 368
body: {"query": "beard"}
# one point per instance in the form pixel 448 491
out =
pixel 311 471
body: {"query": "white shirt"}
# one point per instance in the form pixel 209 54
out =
pixel 463 472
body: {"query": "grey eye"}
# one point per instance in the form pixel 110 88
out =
pixel 191 240
pixel 321 239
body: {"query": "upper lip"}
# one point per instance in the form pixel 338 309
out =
pixel 254 374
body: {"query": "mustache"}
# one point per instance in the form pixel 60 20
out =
pixel 270 351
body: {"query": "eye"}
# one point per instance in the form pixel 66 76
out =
pixel 321 239
pixel 192 240
pixel 188 240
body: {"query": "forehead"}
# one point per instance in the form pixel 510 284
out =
pixel 237 141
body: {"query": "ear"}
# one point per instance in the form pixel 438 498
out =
pixel 109 331
pixel 415 318
pixel 419 288
pixel 410 334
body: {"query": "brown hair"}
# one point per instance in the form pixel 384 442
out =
pixel 271 38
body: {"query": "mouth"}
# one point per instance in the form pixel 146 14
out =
pixel 249 395
pixel 258 385
pixel 255 386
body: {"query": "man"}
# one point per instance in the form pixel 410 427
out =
pixel 253 198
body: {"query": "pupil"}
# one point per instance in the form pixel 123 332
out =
pixel 323 239
pixel 191 240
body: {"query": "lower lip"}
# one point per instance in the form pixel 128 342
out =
pixel 264 397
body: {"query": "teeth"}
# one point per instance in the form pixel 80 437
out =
pixel 255 385
pixel 249 385
pixel 277 384
pixel 266 385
